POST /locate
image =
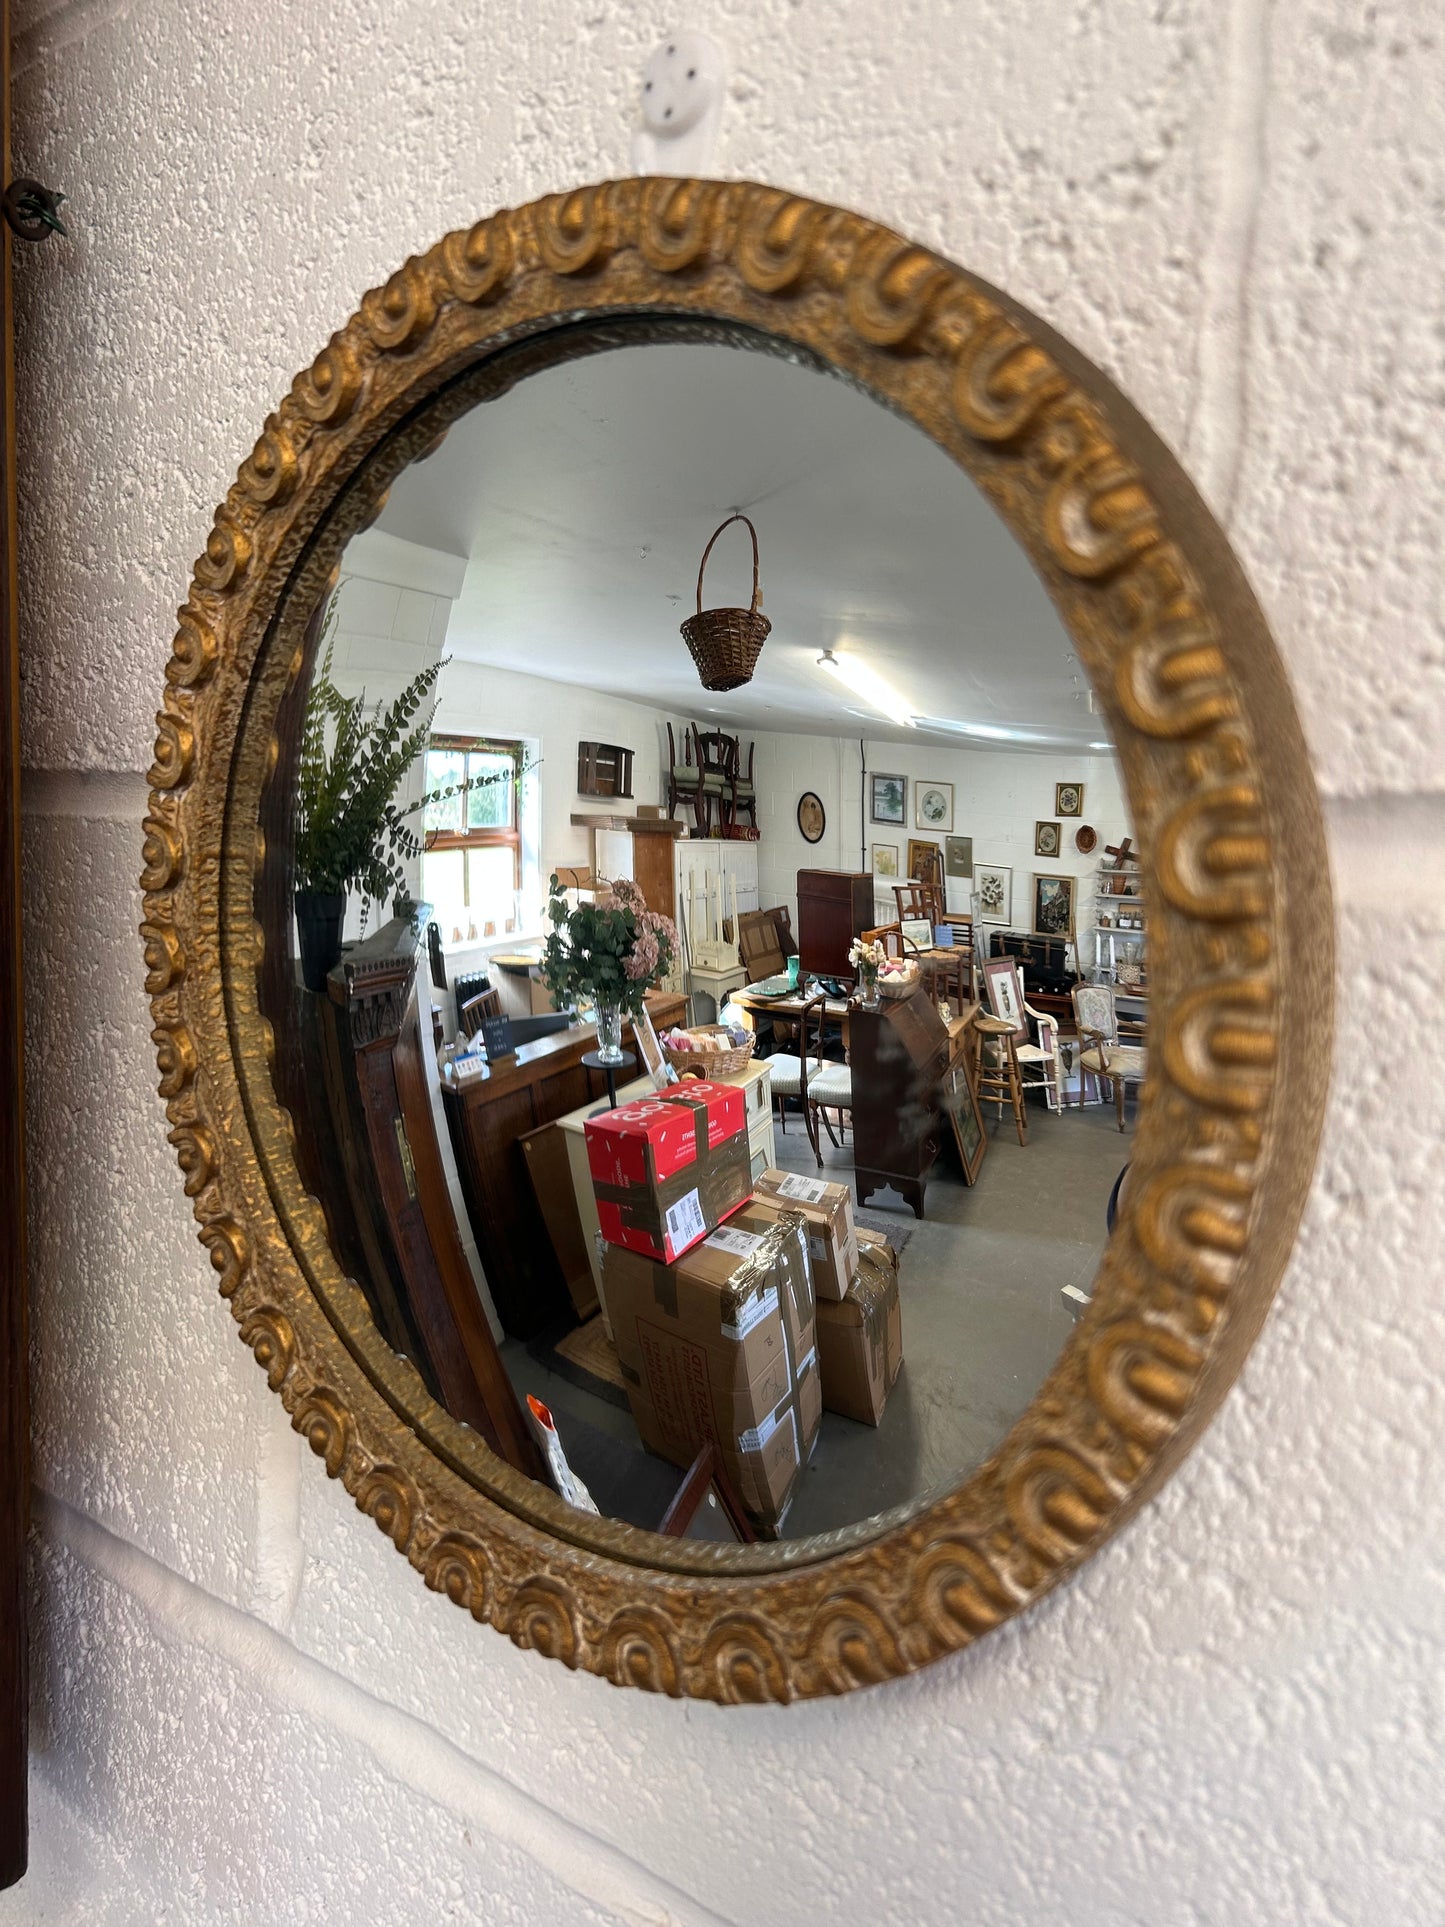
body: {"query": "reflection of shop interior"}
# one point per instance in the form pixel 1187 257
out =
pixel 871 782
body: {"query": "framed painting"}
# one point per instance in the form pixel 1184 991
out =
pixel 993 890
pixel 888 799
pixel 965 1118
pixel 933 806
pixel 1068 799
pixel 1048 839
pixel 958 856
pixel 1053 906
pixel 885 859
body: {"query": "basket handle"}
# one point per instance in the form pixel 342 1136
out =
pixel 739 517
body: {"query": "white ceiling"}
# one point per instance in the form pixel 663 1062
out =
pixel 582 501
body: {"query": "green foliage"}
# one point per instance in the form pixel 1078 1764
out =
pixel 350 831
pixel 608 951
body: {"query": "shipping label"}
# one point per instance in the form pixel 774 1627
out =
pixel 742 1244
pixel 685 1222
pixel 805 1190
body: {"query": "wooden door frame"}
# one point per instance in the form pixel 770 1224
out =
pixel 14 1387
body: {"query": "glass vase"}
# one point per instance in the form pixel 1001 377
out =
pixel 868 989
pixel 609 1034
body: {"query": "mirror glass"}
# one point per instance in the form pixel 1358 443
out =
pixel 903 949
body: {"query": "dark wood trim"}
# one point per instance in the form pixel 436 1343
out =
pixel 14 1334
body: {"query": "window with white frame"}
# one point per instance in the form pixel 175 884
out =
pixel 471 867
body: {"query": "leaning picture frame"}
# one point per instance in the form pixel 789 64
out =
pixel 888 799
pixel 965 1118
pixel 885 859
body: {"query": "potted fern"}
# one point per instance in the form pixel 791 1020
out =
pixel 351 834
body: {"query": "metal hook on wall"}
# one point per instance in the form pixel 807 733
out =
pixel 32 210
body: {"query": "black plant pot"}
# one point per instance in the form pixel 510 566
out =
pixel 319 915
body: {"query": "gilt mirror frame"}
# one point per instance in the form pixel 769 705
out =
pixel 1235 880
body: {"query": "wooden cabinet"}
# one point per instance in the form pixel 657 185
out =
pixel 639 847
pixel 898 1054
pixel 834 906
pixel 487 1117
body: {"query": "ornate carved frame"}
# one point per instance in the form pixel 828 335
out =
pixel 1240 949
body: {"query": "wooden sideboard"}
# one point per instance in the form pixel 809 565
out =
pixel 898 1054
pixel 488 1116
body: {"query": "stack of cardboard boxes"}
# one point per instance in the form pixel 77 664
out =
pixel 726 1303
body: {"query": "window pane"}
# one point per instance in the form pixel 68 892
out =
pixel 444 768
pixel 443 886
pixel 468 889
pixel 489 804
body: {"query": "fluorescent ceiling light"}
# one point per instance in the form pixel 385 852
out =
pixel 869 687
pixel 990 732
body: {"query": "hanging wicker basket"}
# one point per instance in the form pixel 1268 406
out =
pixel 726 643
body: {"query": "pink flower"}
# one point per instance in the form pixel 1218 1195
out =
pixel 642 960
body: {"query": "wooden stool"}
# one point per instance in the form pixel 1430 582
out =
pixel 1000 1080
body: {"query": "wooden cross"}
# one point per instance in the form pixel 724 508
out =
pixel 1122 853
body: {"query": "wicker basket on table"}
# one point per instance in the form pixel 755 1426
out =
pixel 709 1063
pixel 903 984
pixel 726 643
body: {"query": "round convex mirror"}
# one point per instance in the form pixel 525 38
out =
pixel 759 1117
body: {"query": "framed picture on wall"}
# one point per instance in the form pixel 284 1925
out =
pixel 1068 799
pixel 889 799
pixel 1048 839
pixel 925 862
pixel 958 856
pixel 993 890
pixel 885 859
pixel 933 805
pixel 1053 906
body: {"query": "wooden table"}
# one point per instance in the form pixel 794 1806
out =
pixel 488 1116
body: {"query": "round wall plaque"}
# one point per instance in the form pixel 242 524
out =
pixel 812 817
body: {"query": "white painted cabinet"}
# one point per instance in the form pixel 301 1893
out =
pixel 708 862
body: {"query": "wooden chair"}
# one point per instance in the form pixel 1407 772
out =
pixel 475 1011
pixel 684 781
pixel 744 798
pixel 916 900
pixel 996 1067
pixel 819 1084
pixel 713 754
pixel 1102 1055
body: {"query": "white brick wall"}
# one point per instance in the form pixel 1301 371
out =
pixel 248 1708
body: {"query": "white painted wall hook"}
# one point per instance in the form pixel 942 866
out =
pixel 681 100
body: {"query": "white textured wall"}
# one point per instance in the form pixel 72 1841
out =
pixel 249 1709
pixel 998 798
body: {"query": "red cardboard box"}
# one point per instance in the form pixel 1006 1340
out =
pixel 667 1170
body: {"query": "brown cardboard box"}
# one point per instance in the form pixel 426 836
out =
pixel 721 1345
pixel 666 1170
pixel 828 1210
pixel 860 1341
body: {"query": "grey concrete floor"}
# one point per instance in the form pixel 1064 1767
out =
pixel 985 1313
